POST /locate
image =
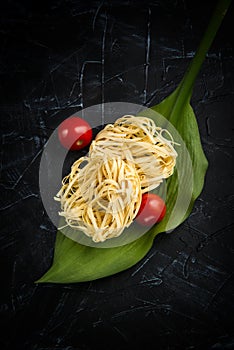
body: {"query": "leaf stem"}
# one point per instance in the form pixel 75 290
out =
pixel 188 81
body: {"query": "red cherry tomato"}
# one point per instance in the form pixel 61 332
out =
pixel 74 133
pixel 152 210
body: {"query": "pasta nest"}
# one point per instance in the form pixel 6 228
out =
pixel 138 140
pixel 102 194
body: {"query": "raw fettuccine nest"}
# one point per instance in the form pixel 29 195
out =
pixel 102 194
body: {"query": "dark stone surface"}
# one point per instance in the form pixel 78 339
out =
pixel 56 58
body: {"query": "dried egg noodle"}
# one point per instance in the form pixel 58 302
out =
pixel 102 194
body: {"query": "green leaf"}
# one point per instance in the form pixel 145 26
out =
pixel 74 262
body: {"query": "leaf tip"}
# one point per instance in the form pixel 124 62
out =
pixel 40 280
pixel 44 279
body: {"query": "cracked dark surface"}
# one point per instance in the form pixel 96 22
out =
pixel 62 56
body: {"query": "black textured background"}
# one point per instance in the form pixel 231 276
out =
pixel 62 55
